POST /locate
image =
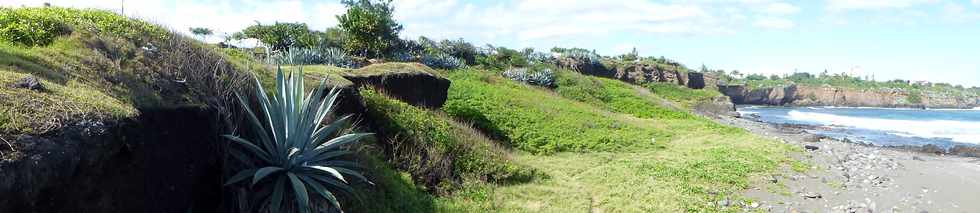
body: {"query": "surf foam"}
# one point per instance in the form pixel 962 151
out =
pixel 958 131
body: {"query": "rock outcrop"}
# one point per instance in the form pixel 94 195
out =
pixel 796 95
pixel 720 106
pixel 412 83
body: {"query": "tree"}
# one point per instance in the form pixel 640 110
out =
pixel 279 36
pixel 202 32
pixel 631 56
pixel 369 28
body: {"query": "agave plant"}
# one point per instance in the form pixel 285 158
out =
pixel 542 77
pixel 442 61
pixel 309 56
pixel 290 150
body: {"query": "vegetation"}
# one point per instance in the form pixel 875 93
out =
pixel 528 117
pixel 314 56
pixel 369 27
pixel 279 36
pixel 538 76
pixel 616 96
pixel 438 151
pixel 292 152
pixel 442 61
pixel 201 32
pixel 40 26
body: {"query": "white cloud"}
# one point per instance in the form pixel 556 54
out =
pixel 781 8
pixel 838 5
pixel 775 23
pixel 976 2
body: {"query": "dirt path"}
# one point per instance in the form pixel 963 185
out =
pixel 848 177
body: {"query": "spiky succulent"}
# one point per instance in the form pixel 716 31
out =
pixel 311 56
pixel 541 77
pixel 442 61
pixel 290 150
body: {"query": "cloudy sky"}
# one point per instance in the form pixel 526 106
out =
pixel 936 40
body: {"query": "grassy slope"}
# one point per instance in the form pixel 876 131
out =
pixel 693 161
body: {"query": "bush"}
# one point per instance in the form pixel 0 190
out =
pixel 539 77
pixel 442 61
pixel 369 28
pixel 500 58
pixel 39 26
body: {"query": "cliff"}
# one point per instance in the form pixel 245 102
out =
pixel 807 95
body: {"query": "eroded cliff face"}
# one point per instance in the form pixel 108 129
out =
pixel 794 95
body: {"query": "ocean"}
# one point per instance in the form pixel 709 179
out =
pixel 880 126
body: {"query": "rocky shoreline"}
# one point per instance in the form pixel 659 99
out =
pixel 807 95
pixel 853 177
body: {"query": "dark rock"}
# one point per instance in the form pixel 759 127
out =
pixel 737 93
pixel 811 137
pixel 30 82
pixel 965 150
pixel 412 83
pixel 695 80
pixel 812 196
pixel 811 147
pixel 933 149
pixel 717 107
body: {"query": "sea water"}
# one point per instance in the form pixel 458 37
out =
pixel 881 126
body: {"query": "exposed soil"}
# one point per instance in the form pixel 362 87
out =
pixel 849 177
pixel 165 160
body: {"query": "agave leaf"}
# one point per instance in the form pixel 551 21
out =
pixel 242 175
pixel 263 172
pixel 352 173
pixel 343 164
pixel 321 190
pixel 254 120
pixel 302 196
pixel 331 171
pixel 342 140
pixel 323 133
pixel 249 146
pixel 329 155
pixel 276 199
pixel 333 182
pixel 265 104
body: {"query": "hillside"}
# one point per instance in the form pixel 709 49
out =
pixel 129 116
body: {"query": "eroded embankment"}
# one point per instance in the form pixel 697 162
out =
pixel 164 160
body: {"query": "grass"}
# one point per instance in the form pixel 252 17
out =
pixel 533 120
pixel 685 96
pixel 23 110
pixel 692 163
pixel 436 149
pixel 613 95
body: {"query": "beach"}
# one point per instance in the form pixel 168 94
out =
pixel 852 177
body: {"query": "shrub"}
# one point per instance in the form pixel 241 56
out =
pixel 442 61
pixel 540 77
pixel 578 54
pixel 369 27
pixel 500 58
pixel 312 56
pixel 39 26
pixel 290 150
pixel 29 28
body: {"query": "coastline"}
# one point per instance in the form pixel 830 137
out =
pixel 853 177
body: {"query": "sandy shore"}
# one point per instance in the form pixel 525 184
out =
pixel 849 177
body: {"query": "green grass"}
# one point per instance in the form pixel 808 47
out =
pixel 685 96
pixel 692 163
pixel 614 95
pixel 434 147
pixel 23 110
pixel 532 119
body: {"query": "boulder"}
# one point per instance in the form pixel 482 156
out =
pixel 695 80
pixel 412 83
pixel 811 137
pixel 30 82
pixel 737 93
pixel 720 106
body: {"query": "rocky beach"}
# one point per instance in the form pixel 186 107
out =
pixel 852 177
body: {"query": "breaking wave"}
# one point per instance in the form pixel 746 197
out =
pixel 958 131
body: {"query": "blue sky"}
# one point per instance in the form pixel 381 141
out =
pixel 935 40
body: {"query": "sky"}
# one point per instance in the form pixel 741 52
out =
pixel 933 40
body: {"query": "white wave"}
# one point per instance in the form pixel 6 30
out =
pixel 959 131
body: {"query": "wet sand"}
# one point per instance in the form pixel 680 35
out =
pixel 850 177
